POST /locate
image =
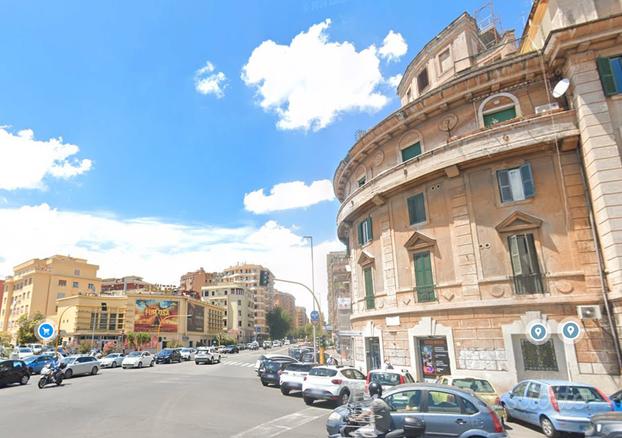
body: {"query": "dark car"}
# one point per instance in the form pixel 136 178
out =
pixel 13 371
pixel 36 363
pixel 607 425
pixel 272 369
pixel 230 349
pixel 168 355
pixel 261 362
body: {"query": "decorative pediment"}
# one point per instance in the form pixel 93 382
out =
pixel 518 221
pixel 365 259
pixel 419 241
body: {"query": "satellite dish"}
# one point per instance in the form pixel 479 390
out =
pixel 561 87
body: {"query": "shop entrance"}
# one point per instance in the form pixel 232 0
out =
pixel 433 357
pixel 372 353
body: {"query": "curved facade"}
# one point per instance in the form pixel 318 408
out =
pixel 467 218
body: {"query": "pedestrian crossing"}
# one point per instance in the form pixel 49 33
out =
pixel 239 364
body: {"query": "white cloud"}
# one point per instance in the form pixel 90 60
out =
pixel 393 47
pixel 289 195
pixel 394 81
pixel 309 82
pixel 157 250
pixel 206 81
pixel 26 162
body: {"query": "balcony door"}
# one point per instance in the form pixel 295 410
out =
pixel 525 266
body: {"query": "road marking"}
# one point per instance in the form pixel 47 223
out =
pixel 283 424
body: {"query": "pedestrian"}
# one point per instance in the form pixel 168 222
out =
pixel 387 365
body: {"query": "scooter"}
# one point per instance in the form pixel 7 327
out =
pixel 52 375
pixel 413 428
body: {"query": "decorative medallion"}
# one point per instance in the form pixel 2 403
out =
pixel 563 287
pixel 497 291
pixel 378 158
pixel 448 122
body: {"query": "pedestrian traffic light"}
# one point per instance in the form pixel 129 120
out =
pixel 264 278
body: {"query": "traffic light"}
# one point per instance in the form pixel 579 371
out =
pixel 264 278
pixel 104 307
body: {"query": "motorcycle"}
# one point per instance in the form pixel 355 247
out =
pixel 52 375
pixel 355 423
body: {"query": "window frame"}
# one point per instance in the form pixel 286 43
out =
pixel 551 368
pixel 497 110
pixel 426 406
pixel 420 88
pixel 364 231
pixel 416 255
pixel 413 145
pixel 610 82
pixel 404 411
pixel 370 295
pixel 528 184
pixel 440 64
pixel 412 220
pixel 533 259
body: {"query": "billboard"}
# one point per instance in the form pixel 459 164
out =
pixel 196 318
pixel 151 314
pixel 344 303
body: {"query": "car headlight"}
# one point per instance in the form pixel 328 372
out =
pixel 335 417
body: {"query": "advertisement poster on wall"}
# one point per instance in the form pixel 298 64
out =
pixel 196 318
pixel 434 357
pixel 153 313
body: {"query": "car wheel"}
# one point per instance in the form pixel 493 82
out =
pixel 68 374
pixel 547 428
pixel 152 363
pixel 264 383
pixel 140 364
pixel 507 415
pixel 344 397
pixel 308 401
pixel 114 364
pixel 24 380
pixel 284 391
pixel 94 371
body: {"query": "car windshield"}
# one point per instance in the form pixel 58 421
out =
pixel 390 379
pixel 113 355
pixel 323 372
pixel 134 354
pixel 475 385
pixel 186 350
pixel 577 393
pixel 25 350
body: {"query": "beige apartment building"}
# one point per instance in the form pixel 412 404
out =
pixel 287 302
pixel 468 211
pixel 249 275
pixel 237 304
pixel 194 281
pixel 36 285
pixel 301 317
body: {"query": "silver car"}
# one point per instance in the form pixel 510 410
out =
pixel 81 365
pixel 112 360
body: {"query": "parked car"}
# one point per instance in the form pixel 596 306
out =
pixel 138 359
pixel 242 347
pixel 222 349
pixel 36 348
pixel 36 363
pixel 555 405
pixel 482 387
pixel 607 425
pixel 271 371
pixel 339 384
pixel 20 353
pixel 265 357
pixel 616 398
pixel 168 355
pixel 230 349
pixel 253 345
pixel 13 371
pixel 206 355
pixel 387 379
pixel 188 353
pixel 112 360
pixel 77 365
pixel 276 343
pixel 267 344
pixel 286 342
pixel 445 411
pixel 293 375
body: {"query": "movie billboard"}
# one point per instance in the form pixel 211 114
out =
pixel 151 314
pixel 196 318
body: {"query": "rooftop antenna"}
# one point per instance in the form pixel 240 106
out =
pixel 487 23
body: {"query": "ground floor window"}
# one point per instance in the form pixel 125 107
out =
pixel 539 357
pixel 372 353
pixel 433 357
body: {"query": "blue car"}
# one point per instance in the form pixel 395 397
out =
pixel 36 363
pixel 555 405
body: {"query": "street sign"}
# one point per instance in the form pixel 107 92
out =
pixel 45 331
pixel 257 329
pixel 315 316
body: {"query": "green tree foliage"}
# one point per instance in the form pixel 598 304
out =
pixel 279 323
pixel 5 339
pixel 85 346
pixel 26 328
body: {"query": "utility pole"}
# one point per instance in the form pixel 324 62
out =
pixel 313 292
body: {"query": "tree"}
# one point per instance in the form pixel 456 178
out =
pixel 85 346
pixel 279 323
pixel 142 338
pixel 5 339
pixel 131 339
pixel 26 328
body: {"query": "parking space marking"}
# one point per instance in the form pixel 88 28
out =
pixel 283 424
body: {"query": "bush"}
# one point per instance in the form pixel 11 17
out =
pixel 85 346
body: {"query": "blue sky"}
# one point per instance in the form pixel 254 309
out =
pixel 119 81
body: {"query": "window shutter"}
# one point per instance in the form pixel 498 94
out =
pixel 515 255
pixel 360 232
pixel 504 186
pixel 369 288
pixel 423 270
pixel 416 209
pixel 526 176
pixel 411 151
pixel 370 234
pixel 606 76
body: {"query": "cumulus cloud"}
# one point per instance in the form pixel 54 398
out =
pixel 393 47
pixel 311 80
pixel 26 162
pixel 289 195
pixel 207 81
pixel 394 81
pixel 160 251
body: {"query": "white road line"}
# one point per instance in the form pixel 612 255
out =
pixel 283 424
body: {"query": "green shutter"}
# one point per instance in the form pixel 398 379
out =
pixel 416 209
pixel 606 76
pixel 360 233
pixel 423 277
pixel 370 229
pixel 504 186
pixel 526 176
pixel 369 288
pixel 499 116
pixel 411 151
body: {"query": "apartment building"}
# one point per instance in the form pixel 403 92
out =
pixel 287 302
pixel 194 281
pixel 237 303
pixel 301 317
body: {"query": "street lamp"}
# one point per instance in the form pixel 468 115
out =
pixel 314 298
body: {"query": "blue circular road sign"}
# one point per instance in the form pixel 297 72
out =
pixel 45 331
pixel 315 316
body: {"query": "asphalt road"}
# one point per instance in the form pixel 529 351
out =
pixel 187 400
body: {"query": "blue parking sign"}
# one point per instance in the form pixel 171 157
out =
pixel 315 315
pixel 45 331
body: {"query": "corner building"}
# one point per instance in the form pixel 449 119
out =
pixel 467 217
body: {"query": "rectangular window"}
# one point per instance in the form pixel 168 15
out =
pixel 76 272
pixel 494 117
pixel 103 321
pixel 365 231
pixel 361 182
pixel 75 284
pixel 539 357
pixel 112 321
pixel 91 286
pixel 527 277
pixel 93 322
pixel 610 72
pixel 411 151
pixel 369 288
pixel 62 282
pixel 423 277
pixel 516 184
pixel 444 60
pixel 422 80
pixel 416 209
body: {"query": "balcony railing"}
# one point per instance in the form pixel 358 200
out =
pixel 425 294
pixel 526 284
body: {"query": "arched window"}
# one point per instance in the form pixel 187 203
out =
pixel 498 108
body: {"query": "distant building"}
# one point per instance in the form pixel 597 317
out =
pixel 124 284
pixel 301 317
pixel 287 302
pixel 237 303
pixel 1 295
pixel 339 297
pixel 194 281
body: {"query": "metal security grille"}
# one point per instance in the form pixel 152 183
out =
pixel 539 357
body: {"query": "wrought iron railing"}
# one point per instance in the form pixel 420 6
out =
pixel 425 294
pixel 526 284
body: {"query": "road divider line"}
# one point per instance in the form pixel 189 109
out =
pixel 283 424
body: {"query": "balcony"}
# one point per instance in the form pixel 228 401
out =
pixel 525 284
pixel 425 294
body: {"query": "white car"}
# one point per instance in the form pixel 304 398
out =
pixel 138 359
pixel 21 353
pixel 112 360
pixel 206 355
pixel 36 348
pixel 286 342
pixel 276 343
pixel 339 384
pixel 293 376
pixel 81 365
pixel 188 353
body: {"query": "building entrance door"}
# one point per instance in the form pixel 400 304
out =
pixel 372 353
pixel 433 357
